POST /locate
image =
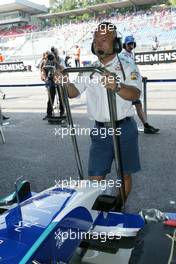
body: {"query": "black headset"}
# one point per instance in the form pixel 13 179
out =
pixel 117 42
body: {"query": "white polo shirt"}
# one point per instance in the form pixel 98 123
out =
pixel 97 101
pixel 131 58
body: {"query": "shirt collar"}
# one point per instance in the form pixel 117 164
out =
pixel 109 64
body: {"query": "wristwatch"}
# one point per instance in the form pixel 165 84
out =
pixel 118 87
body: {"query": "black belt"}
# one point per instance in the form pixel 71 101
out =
pixel 108 124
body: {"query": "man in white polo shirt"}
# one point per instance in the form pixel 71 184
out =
pixel 106 46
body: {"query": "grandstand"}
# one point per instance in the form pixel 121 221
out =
pixel 145 25
pixel 16 16
pixel 94 9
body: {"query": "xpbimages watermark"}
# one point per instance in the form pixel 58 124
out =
pixel 61 236
pixel 92 78
pixel 103 132
pixel 103 184
pixel 87 27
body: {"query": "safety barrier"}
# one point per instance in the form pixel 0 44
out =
pixel 1 123
pixel 21 85
pixel 145 80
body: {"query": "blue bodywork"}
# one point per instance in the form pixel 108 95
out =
pixel 50 226
pixel 28 232
pixel 111 219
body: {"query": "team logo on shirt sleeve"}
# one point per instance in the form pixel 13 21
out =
pixel 134 75
pixel 117 68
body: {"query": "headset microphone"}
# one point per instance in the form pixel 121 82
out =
pixel 101 52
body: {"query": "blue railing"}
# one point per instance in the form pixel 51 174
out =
pixel 144 79
pixel 22 85
pixel 161 80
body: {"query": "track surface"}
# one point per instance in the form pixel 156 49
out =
pixel 34 151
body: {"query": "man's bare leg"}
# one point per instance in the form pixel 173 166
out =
pixel 96 178
pixel 127 182
pixel 140 113
pixel 128 187
pixel 148 129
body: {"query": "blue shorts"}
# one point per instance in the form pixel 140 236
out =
pixel 101 153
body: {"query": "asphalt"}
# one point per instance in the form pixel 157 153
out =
pixel 34 150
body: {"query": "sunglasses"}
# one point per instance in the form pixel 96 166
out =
pixel 130 43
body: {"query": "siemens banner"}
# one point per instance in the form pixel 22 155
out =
pixel 155 57
pixel 12 66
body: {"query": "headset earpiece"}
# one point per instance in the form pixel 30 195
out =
pixel 92 48
pixel 117 45
pixel 124 45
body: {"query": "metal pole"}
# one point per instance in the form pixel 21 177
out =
pixel 144 79
pixel 116 140
pixel 73 136
pixel 113 118
pixel 1 124
pixel 17 195
pixel 1 118
pixel 69 117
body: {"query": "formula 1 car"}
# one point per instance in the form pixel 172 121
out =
pixel 48 227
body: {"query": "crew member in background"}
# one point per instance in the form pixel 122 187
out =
pixel 66 58
pixel 3 94
pixel 155 44
pixel 1 58
pixel 128 46
pixel 47 77
pixel 2 116
pixel 77 56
